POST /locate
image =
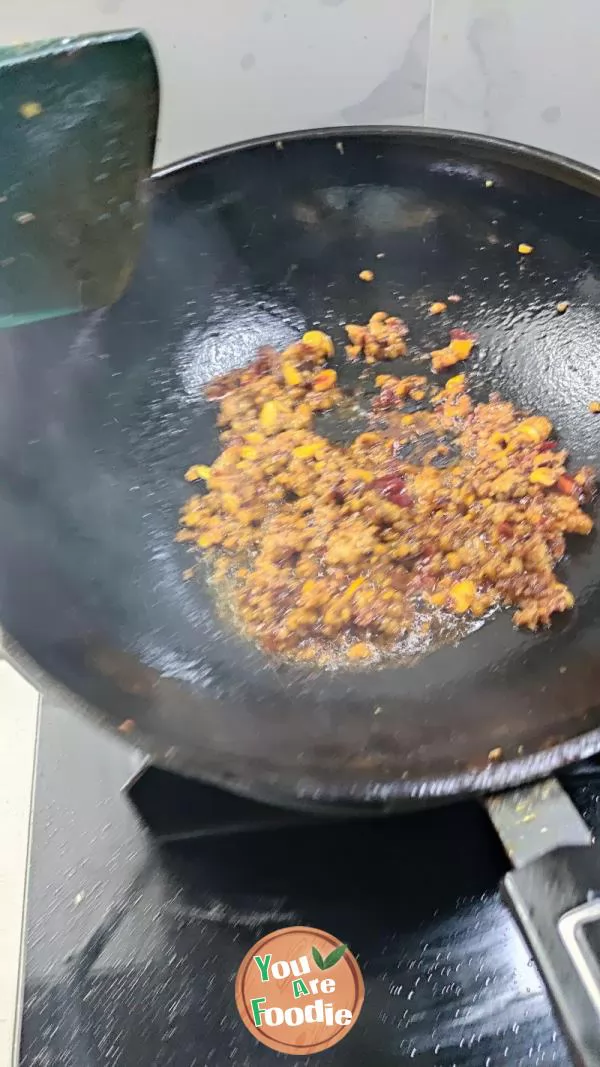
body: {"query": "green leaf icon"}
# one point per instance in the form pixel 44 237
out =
pixel 333 957
pixel 317 957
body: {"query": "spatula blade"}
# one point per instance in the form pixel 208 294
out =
pixel 78 123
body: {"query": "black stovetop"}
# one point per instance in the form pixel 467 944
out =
pixel 133 942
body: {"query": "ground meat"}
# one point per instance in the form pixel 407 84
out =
pixel 441 506
pixel 381 338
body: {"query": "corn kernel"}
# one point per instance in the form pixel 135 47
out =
pixel 248 452
pixel 463 594
pixel 537 428
pixel 461 347
pixel 453 559
pixel 366 275
pixel 309 450
pixel 356 584
pixel 198 471
pixel 525 249
pixel 437 307
pixel 268 416
pixel 320 341
pixel 544 476
pixel 455 384
pixel 291 375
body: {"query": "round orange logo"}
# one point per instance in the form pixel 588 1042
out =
pixel 299 990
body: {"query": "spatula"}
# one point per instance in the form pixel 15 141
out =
pixel 77 127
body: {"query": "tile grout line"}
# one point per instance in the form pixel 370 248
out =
pixel 19 722
pixel 428 64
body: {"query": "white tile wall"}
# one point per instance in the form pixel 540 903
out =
pixel 522 69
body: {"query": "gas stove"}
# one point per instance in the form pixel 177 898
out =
pixel 144 901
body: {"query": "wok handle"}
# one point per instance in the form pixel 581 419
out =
pixel 556 901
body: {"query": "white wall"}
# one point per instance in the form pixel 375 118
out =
pixel 525 69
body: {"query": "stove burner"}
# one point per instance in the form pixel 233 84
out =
pixel 448 979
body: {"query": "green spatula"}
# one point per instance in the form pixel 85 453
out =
pixel 77 131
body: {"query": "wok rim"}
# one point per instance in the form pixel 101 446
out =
pixel 496 776
pixel 516 150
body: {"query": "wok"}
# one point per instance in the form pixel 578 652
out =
pixel 100 415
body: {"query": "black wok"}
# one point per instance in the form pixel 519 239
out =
pixel 101 414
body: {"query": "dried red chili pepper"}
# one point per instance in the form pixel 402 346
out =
pixel 506 529
pixel 393 488
pixel 457 334
pixel 387 399
pixel 568 485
